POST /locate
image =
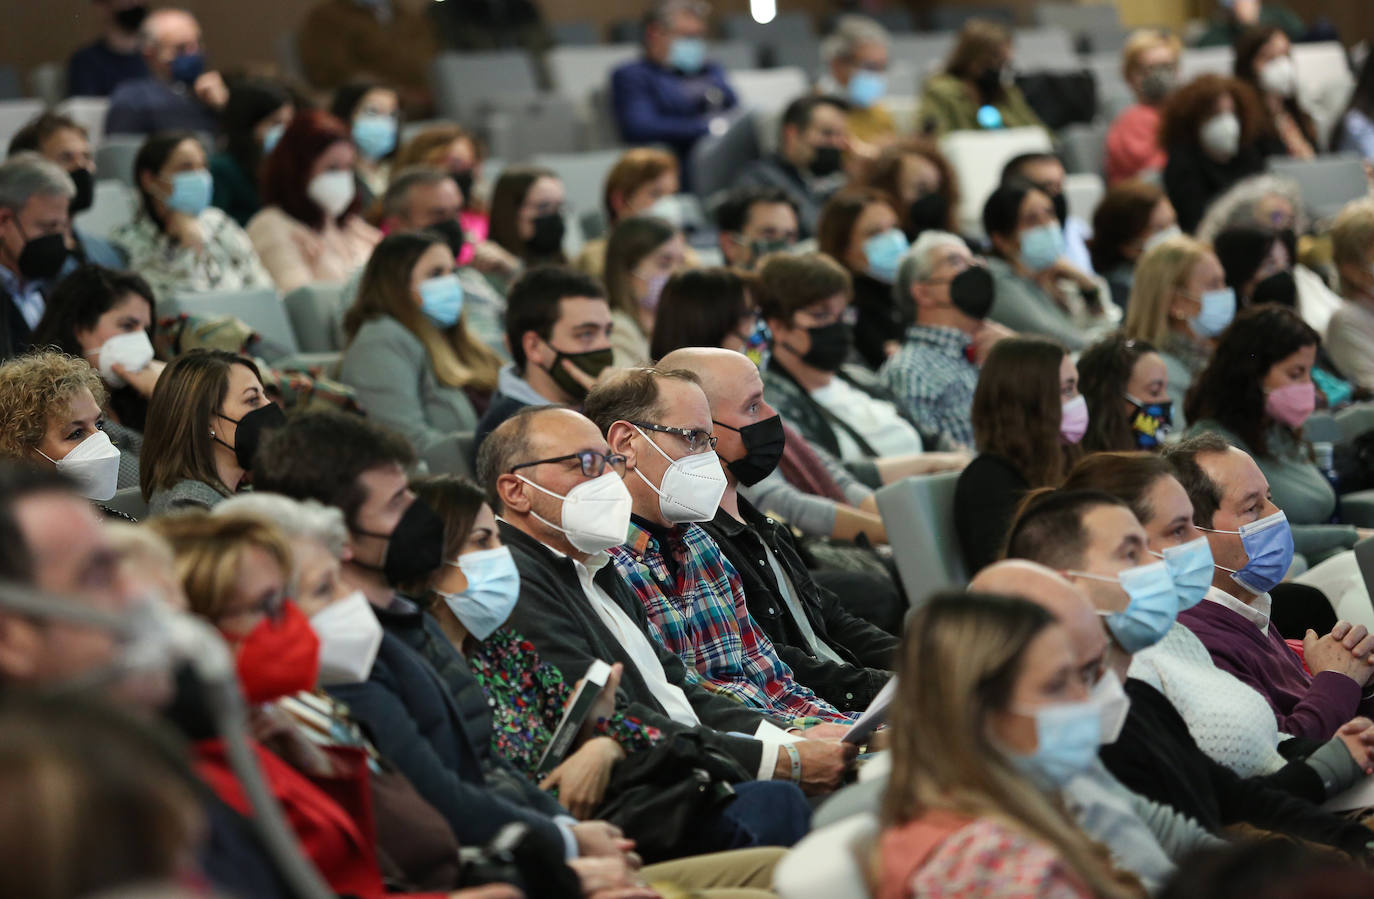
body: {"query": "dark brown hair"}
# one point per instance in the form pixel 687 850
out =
pixel 835 228
pixel 885 174
pixel 786 284
pixel 506 199
pixel 1104 369
pixel 1017 410
pixel 286 170
pixel 1126 476
pixel 1121 217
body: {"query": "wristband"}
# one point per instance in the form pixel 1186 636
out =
pixel 795 756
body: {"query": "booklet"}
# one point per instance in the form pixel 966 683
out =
pixel 873 716
pixel 575 715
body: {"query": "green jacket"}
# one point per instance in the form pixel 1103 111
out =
pixel 235 192
pixel 1223 32
pixel 949 105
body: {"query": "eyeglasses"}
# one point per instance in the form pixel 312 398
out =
pixel 273 608
pixel 593 463
pixel 849 315
pixel 697 441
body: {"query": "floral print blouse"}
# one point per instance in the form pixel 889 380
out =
pixel 226 259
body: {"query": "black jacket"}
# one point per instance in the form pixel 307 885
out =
pixel 868 651
pixel 15 334
pixel 985 499
pixel 880 319
pixel 1193 179
pixel 553 613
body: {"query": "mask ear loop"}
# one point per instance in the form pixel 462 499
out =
pixel 660 452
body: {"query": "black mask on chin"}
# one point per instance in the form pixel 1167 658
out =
pixel 764 442
pixel 1279 289
pixel 248 434
pixel 414 548
pixel 85 190
pixel 927 213
pixel 972 292
pixel 825 161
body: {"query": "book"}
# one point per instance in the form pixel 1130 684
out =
pixel 873 716
pixel 575 715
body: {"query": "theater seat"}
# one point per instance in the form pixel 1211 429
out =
pixel 829 863
pixel 1327 182
pixel 918 513
pixel 978 158
pixel 130 502
pixel 316 315
pixel 262 310
pixel 716 159
pixel 113 204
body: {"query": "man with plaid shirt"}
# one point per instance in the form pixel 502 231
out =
pixel 692 595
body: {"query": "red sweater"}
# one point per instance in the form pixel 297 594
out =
pixel 1133 144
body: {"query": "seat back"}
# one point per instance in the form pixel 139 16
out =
pixel 1325 83
pixel 978 158
pixel 1082 192
pixel 48 83
pixel 316 314
pixel 732 55
pixel 262 310
pixel 1050 47
pixel 114 158
pixel 583 175
pixel 129 501
pixel 1197 61
pixel 769 90
pixel 921 52
pixel 1113 93
pixel 15 114
pixel 464 81
pixel 830 862
pixel 918 513
pixel 287 46
pixel 1097 25
pixel 577 71
pixel 953 16
pixel 1085 147
pixel 579 33
pixel 520 127
pixel 788 39
pixel 1327 182
pixel 717 158
pixel 114 204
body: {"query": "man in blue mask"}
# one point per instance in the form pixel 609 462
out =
pixel 178 93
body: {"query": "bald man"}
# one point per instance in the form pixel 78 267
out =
pixel 842 657
pixel 177 94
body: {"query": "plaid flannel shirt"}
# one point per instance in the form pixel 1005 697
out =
pixel 933 379
pixel 696 609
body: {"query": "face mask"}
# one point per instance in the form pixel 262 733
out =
pixel 349 635
pixel 1042 247
pixel 764 442
pixel 1061 207
pixel 1268 544
pixel 884 253
pixel 825 161
pixel 85 190
pixel 441 300
pixel 493 588
pixel 989 83
pixel 927 213
pixel 1113 704
pixel 1151 611
pixel 548 235
pixel 691 487
pixel 130 19
pixel 332 191
pixel 1157 84
pixel 248 433
pixel 1279 76
pixel 972 292
pixel 687 54
pixel 414 548
pixel 42 258
pixel 452 232
pixel 591 363
pixel 866 88
pixel 271 136
pixel 669 208
pixel 653 291
pixel 830 345
pixel 187 67
pixel 132 352
pixel 1291 404
pixel 1159 237
pixel 464 181
pixel 374 135
pixel 1218 308
pixel 1073 419
pixel 279 658
pixel 93 464
pixel 1279 289
pixel 596 513
pixel 760 248
pixel 1067 738
pixel 1220 136
pixel 1151 421
pixel 1190 565
pixel 191 192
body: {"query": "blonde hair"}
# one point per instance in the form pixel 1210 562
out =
pixel 210 550
pixel 1142 41
pixel 35 391
pixel 1162 271
pixel 143 552
pixel 1352 234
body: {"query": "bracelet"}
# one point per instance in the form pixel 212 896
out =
pixel 795 756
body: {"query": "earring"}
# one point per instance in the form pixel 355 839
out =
pixel 212 433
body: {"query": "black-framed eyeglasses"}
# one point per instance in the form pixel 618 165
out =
pixel 697 441
pixel 593 463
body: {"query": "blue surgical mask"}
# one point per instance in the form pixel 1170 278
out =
pixel 493 588
pixel 687 54
pixel 187 67
pixel 884 253
pixel 1042 247
pixel 269 139
pixel 1152 610
pixel 1067 739
pixel 1218 308
pixel 441 299
pixel 866 88
pixel 374 135
pixel 1190 565
pixel 191 192
pixel 1269 545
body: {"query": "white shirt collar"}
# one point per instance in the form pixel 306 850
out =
pixel 1256 611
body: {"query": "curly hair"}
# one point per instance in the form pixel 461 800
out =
pixel 1017 409
pixel 36 390
pixel 1193 103
pixel 885 174
pixel 1230 389
pixel 1104 370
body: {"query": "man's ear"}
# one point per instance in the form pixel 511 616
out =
pixel 621 440
pixel 511 490
pixel 20 648
pixel 917 294
pixel 533 346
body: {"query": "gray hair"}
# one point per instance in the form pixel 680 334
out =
pixel 396 200
pixel 26 175
pixel 916 266
pixel 1237 206
pixel 851 31
pixel 297 518
pixel 662 12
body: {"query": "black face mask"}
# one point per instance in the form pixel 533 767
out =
pixel 131 18
pixel 989 83
pixel 453 235
pixel 414 548
pixel 464 181
pixel 548 235
pixel 825 161
pixel 248 434
pixel 972 292
pixel 1279 289
pixel 42 257
pixel 764 442
pixel 927 213
pixel 85 190
pixel 1061 205
pixel 830 346
pixel 591 363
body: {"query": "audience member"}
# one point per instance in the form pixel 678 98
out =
pixel 1233 17
pixel 311 228
pixel 855 56
pixel 933 374
pixel 59 139
pixel 711 307
pixel 205 420
pixel 410 359
pixel 642 254
pixel 975 90
pixel 1350 333
pixel 1264 60
pixel 674 93
pixel 99 67
pixel 1126 384
pixel 858 229
pixel 635 185
pixel 255 116
pixel 1046 171
pixel 1268 866
pixel 177 93
pixel 1212 131
pixel 34 196
pixel 526 218
pixel 1259 201
pixel 177 240
pixel 390 41
pixel 1354 130
pixel 1251 255
pixel 809 163
pixel 372 113
pixel 1132 217
pixel 756 221
pixel 1028 419
pixel 920 184
pixel 1149 63
pixel 558 331
pixel 446 146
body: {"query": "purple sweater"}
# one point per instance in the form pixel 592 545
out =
pixel 1305 706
